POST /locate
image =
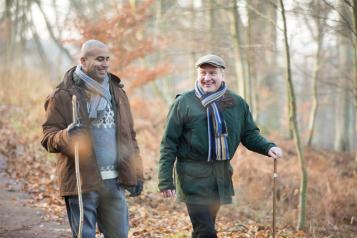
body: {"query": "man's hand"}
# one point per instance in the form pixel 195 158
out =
pixel 137 189
pixel 77 132
pixel 275 152
pixel 74 129
pixel 169 193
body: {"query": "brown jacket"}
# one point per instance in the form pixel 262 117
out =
pixel 55 139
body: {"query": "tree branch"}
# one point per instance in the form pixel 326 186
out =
pixel 49 28
pixel 263 16
pixel 345 20
pixel 38 44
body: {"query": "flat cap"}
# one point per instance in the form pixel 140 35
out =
pixel 213 60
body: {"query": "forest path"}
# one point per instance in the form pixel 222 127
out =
pixel 18 218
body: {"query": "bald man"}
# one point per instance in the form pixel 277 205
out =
pixel 109 159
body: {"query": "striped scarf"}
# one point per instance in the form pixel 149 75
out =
pixel 99 92
pixel 217 128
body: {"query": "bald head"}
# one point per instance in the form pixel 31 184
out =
pixel 95 59
pixel 90 45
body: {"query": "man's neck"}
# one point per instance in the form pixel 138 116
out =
pixel 98 80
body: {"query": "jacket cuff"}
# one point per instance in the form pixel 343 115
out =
pixel 270 145
pixel 170 186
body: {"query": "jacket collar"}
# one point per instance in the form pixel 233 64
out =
pixel 69 80
pixel 227 100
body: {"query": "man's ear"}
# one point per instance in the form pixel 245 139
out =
pixel 83 61
pixel 222 72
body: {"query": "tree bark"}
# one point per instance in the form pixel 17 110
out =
pixel 261 60
pixel 251 59
pixel 294 124
pixel 163 88
pixel 210 8
pixel 9 31
pixel 241 82
pixel 37 40
pixel 316 71
pixel 354 15
pixel 343 121
pixel 313 112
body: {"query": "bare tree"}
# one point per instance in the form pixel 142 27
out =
pixel 320 25
pixel 347 32
pixel 344 81
pixel 294 125
pixel 162 87
pixel 50 31
pixel 211 19
pixel 354 36
pixel 261 54
pixel 8 30
pixel 239 65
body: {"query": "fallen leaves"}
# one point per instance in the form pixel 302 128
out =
pixel 27 162
pixel 151 215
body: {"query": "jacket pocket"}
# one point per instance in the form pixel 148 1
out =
pixel 197 169
pixel 196 180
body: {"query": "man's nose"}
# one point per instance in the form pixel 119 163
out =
pixel 105 63
pixel 206 77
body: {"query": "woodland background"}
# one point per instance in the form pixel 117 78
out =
pixel 295 62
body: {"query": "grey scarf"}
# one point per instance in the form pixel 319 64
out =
pixel 99 92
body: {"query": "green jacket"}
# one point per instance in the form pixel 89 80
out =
pixel 185 141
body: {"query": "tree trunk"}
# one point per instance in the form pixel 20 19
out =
pixel 354 15
pixel 356 130
pixel 294 124
pixel 315 77
pixel 241 84
pixel 343 122
pixel 193 54
pixel 211 23
pixel 40 50
pixel 261 60
pixel 252 69
pixel 9 31
pixel 50 31
pixel 163 87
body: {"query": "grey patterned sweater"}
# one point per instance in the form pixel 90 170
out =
pixel 103 131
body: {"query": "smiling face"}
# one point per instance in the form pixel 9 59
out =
pixel 209 78
pixel 95 62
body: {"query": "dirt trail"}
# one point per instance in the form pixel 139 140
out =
pixel 17 218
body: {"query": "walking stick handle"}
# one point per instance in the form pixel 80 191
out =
pixel 74 109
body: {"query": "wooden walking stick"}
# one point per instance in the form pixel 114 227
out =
pixel 76 161
pixel 275 175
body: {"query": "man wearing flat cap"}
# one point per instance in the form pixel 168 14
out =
pixel 204 128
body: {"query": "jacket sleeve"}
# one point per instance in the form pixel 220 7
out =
pixel 251 137
pixel 138 159
pixel 169 146
pixel 55 137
